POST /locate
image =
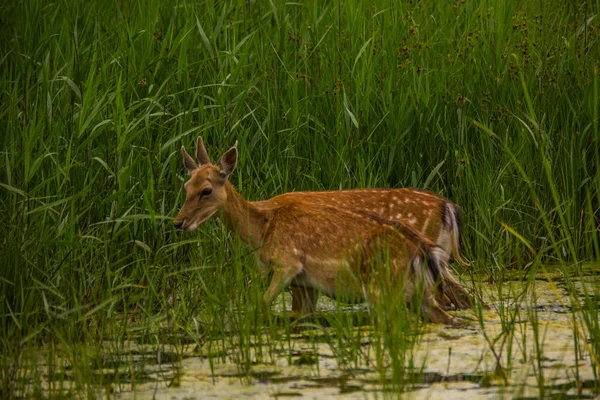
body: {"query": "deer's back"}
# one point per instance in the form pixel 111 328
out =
pixel 315 232
pixel 419 209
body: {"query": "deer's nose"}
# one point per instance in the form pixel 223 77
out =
pixel 178 224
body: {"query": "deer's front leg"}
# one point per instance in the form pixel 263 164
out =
pixel 282 277
pixel 304 300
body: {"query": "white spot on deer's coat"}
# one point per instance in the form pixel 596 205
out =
pixel 426 223
pixel 399 215
pixel 410 215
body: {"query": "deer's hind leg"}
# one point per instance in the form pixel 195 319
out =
pixel 455 293
pixel 458 294
pixel 423 275
pixel 431 310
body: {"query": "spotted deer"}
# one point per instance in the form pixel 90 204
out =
pixel 435 217
pixel 318 245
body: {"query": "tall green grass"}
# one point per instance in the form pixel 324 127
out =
pixel 493 104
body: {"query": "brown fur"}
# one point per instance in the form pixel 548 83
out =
pixel 420 209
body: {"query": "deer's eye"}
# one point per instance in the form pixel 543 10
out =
pixel 206 192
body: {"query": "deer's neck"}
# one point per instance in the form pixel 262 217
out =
pixel 244 218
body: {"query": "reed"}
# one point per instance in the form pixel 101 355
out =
pixel 491 104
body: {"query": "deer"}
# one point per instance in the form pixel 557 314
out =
pixel 318 245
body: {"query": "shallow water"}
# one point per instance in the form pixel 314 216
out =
pixel 452 362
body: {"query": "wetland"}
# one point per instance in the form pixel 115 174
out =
pixel 532 342
pixel 493 105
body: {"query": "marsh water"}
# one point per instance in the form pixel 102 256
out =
pixel 524 348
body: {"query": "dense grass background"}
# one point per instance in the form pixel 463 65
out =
pixel 493 104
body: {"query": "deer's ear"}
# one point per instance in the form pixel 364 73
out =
pixel 188 162
pixel 228 161
pixel 201 153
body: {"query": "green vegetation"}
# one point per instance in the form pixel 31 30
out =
pixel 493 104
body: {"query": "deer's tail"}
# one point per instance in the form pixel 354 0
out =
pixel 452 223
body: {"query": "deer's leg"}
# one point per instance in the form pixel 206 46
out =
pixel 297 298
pixel 457 294
pixel 430 310
pixel 446 295
pixel 423 282
pixel 444 301
pixel 282 277
pixel 304 300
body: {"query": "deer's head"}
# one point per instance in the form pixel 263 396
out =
pixel 205 192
